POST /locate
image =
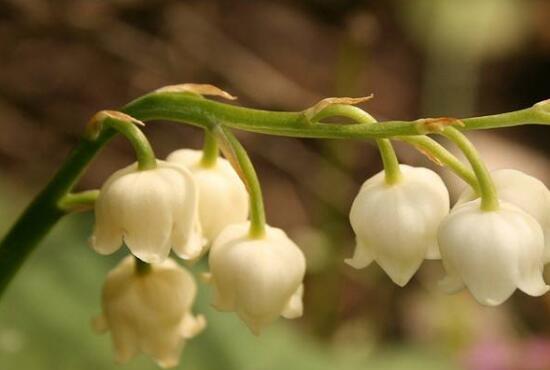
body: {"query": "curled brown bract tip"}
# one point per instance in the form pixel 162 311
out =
pixel 545 105
pixel 311 112
pixel 201 89
pixel 229 154
pixel 431 125
pixel 429 155
pixel 95 124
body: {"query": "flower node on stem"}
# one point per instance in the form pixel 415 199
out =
pixel 432 125
pixel 94 126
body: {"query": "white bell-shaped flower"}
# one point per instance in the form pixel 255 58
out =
pixel 151 211
pixel 149 312
pixel 223 199
pixel 259 279
pixel 492 252
pixel 525 192
pixel 396 224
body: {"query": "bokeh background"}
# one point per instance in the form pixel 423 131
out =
pixel 63 60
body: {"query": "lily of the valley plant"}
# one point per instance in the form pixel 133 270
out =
pixel 494 240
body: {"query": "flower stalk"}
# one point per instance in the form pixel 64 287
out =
pixel 487 189
pixel 127 126
pixel 387 153
pixel 238 157
pixel 210 150
pixel 79 202
pixel 441 156
pixel 425 144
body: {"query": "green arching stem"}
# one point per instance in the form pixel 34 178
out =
pixel 538 114
pixel 142 268
pixel 205 113
pixel 187 108
pixel 236 154
pixel 389 158
pixel 392 171
pixel 44 211
pixel 487 189
pixel 126 126
pixel 79 201
pixel 210 150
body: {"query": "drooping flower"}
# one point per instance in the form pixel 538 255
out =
pixel 396 224
pixel 223 199
pixel 152 211
pixel 260 279
pixel 492 252
pixel 149 312
pixel 524 191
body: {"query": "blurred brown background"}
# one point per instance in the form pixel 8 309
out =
pixel 63 60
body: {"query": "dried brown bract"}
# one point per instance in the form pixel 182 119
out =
pixel 313 111
pixel 201 89
pixel 432 125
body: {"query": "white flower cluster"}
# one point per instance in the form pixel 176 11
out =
pixel 490 252
pixel 193 208
pixel 188 207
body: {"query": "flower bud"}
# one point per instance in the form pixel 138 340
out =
pixel 149 312
pixel 151 211
pixel 259 279
pixel 524 191
pixel 223 199
pixel 396 224
pixel 492 252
